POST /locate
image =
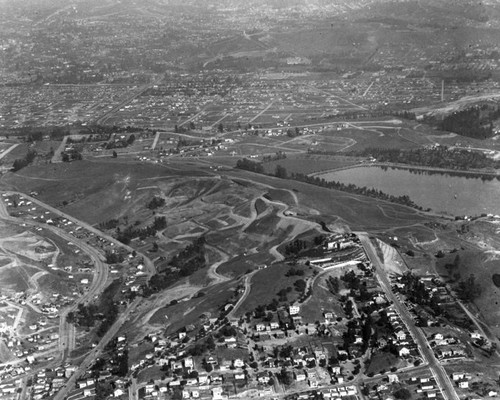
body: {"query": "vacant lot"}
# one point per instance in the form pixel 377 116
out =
pixel 359 212
pixel 310 163
pixel 268 282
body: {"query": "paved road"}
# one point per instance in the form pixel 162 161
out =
pixel 66 330
pixel 57 158
pixel 87 362
pixel 7 151
pixel 248 286
pixel 147 262
pixel 436 368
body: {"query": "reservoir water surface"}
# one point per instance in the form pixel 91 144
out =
pixel 441 192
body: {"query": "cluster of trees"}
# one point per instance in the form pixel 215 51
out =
pixel 121 143
pixel 295 247
pixel 280 155
pixel 300 285
pixel 34 137
pixel 438 157
pixel 130 232
pixel 406 115
pixel 468 289
pixel 20 163
pixel 202 347
pixel 333 283
pixel 350 188
pixel 294 272
pixel 283 294
pixel 417 293
pixel 73 155
pixel 109 224
pixel 249 165
pixel 475 122
pixel 183 264
pixel 114 258
pixel 191 258
pixel 293 132
pixel 105 311
pixel 156 202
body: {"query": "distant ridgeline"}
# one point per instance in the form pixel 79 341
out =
pixel 282 173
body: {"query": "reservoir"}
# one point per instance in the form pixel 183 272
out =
pixel 441 192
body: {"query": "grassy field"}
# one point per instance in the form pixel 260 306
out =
pixel 322 300
pixel 310 163
pixel 89 193
pixel 189 312
pixel 382 361
pixel 266 283
pixel 280 195
pixel 260 206
pixel 359 212
pixel 241 264
pixel 483 267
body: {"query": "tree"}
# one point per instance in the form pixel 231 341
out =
pixel 281 172
pixel 220 128
pixel 402 394
pixel 115 154
pixel 468 289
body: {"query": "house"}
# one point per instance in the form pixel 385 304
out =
pixel 203 379
pixel 260 327
pixel 263 377
pixel 404 351
pixel 456 376
pixel 211 360
pixel 294 310
pixel 336 370
pixel 238 363
pixel 274 325
pixel 239 376
pixel 393 378
pixel 189 363
pixel 400 335
pixel 230 342
pixel 463 384
pixel 492 393
pixel 118 392
pixel 217 393
pixel 475 335
pixel 300 376
pixel 438 336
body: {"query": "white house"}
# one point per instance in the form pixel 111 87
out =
pixel 404 351
pixel 294 310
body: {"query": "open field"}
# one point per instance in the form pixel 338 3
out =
pixel 321 301
pixel 189 311
pixel 266 283
pixel 81 189
pixel 310 163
